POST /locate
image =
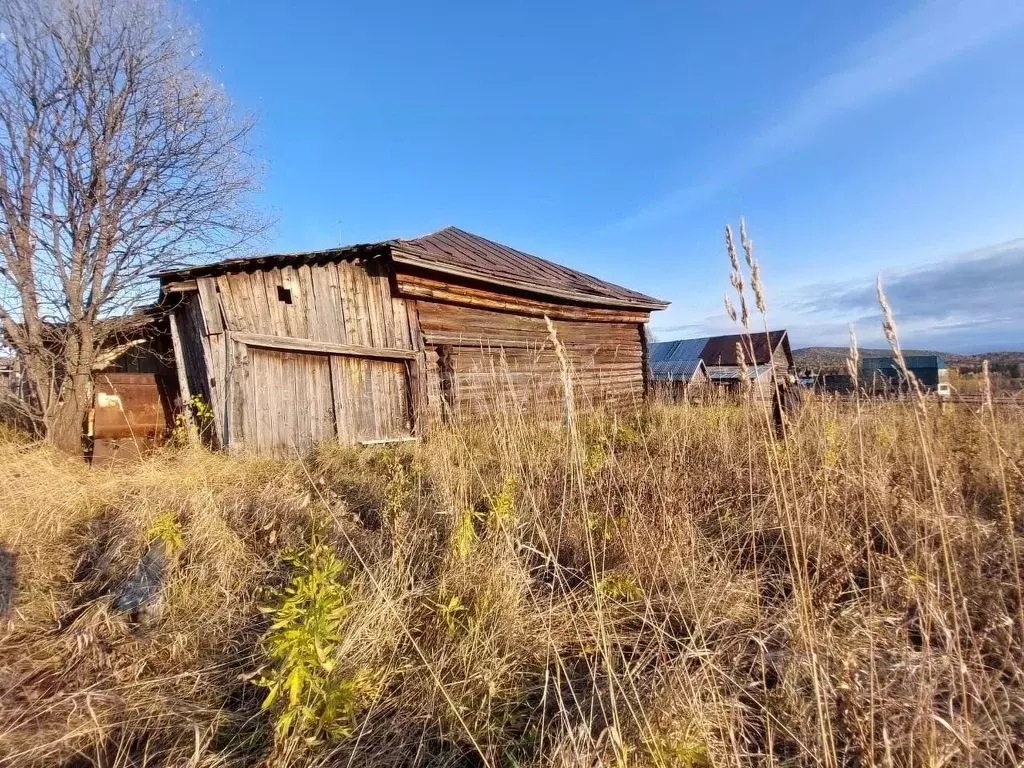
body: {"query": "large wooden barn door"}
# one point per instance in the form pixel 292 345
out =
pixel 292 401
pixel 301 399
pixel 371 398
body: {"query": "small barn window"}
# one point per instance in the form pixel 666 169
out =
pixel 284 294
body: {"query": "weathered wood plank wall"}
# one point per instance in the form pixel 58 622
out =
pixel 289 404
pixel 418 285
pixel 299 354
pixel 780 361
pixel 343 302
pixel 192 350
pixel 368 350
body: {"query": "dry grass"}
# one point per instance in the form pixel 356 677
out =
pixel 668 587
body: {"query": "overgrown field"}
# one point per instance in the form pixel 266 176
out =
pixel 671 587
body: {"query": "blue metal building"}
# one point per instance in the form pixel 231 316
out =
pixel 882 373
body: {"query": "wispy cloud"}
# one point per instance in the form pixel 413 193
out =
pixel 912 47
pixel 968 302
pixel 986 284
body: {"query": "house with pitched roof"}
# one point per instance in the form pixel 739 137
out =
pixel 764 356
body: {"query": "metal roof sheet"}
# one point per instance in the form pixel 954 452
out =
pixel 675 370
pixel 456 252
pixel 732 372
pixel 721 350
pixel 681 350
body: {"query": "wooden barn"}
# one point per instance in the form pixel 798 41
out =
pixel 374 342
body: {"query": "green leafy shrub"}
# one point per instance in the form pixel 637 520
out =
pixel 594 458
pixel 301 643
pixel 621 587
pixel 452 612
pixel 502 512
pixel 166 529
pixel 194 422
pixel 463 534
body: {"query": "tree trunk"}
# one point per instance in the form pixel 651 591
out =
pixel 67 423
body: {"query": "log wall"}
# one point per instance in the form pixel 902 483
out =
pixel 478 359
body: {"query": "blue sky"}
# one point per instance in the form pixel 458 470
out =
pixel 619 138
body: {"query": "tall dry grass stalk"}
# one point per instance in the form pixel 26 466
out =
pixel 853 362
pixel 755 269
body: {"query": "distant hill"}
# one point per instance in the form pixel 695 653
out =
pixel 835 357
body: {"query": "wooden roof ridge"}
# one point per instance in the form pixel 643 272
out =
pixel 453 251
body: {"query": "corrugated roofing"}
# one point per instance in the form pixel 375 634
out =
pixel 675 370
pixel 266 261
pixel 721 350
pixel 456 252
pixel 682 350
pixel 732 372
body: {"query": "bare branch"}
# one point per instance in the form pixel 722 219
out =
pixel 118 158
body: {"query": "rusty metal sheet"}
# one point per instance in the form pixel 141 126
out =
pixel 131 405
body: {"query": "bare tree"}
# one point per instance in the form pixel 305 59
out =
pixel 118 158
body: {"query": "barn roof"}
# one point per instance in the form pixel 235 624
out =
pixel 680 350
pixel 452 251
pixel 721 350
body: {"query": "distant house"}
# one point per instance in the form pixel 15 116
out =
pixel 838 382
pixel 730 376
pixel 764 355
pixel 882 374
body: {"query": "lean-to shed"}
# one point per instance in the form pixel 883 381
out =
pixel 133 389
pixel 373 342
pixel 678 380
